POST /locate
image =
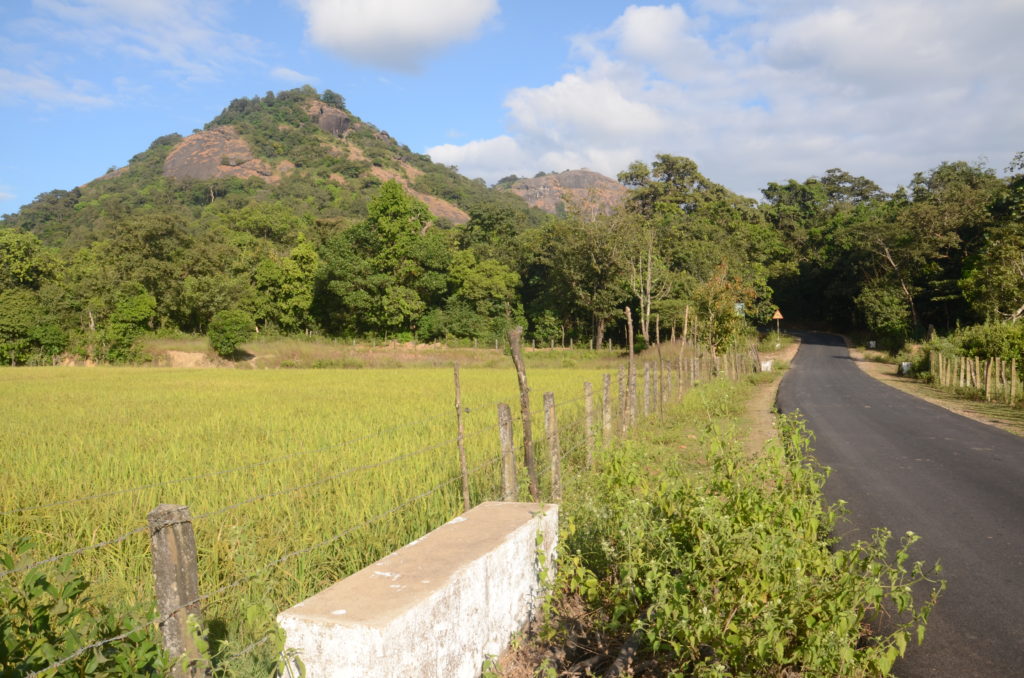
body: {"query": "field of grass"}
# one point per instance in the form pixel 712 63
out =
pixel 294 478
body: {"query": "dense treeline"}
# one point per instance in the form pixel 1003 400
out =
pixel 945 251
pixel 88 271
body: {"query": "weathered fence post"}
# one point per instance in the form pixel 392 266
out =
pixel 679 367
pixel 1013 381
pixel 588 420
pixel 606 411
pixel 660 374
pixel 647 389
pixel 631 386
pixel 989 374
pixel 460 438
pixel 554 447
pixel 515 336
pixel 175 570
pixel 508 455
pixel 623 403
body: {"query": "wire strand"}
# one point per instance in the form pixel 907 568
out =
pixel 213 474
pixel 238 582
pixel 327 479
pixel 90 547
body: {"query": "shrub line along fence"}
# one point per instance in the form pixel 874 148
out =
pixel 172 540
pixel 994 379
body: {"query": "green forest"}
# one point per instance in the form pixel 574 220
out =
pixel 335 249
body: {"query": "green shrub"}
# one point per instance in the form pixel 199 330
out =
pixel 993 340
pixel 229 329
pixel 735 572
pixel 48 615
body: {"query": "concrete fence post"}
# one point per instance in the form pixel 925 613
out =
pixel 554 447
pixel 509 490
pixel 176 574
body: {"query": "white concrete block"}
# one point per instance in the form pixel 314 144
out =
pixel 436 608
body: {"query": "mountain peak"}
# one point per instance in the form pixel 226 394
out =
pixel 587 191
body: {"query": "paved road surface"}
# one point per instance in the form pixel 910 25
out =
pixel 903 463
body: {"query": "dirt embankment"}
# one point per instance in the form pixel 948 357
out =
pixel 761 407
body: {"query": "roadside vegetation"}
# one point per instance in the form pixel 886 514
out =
pixel 683 555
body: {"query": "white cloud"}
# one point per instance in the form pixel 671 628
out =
pixel 186 36
pixel 761 91
pixel 289 75
pixel 394 34
pixel 499 156
pixel 6 195
pixel 47 91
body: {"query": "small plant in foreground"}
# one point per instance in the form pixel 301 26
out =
pixel 46 616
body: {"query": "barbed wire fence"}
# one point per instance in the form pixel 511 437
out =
pixel 575 428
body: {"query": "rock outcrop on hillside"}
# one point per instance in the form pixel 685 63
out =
pixel 215 153
pixel 221 152
pixel 590 192
pixel 332 120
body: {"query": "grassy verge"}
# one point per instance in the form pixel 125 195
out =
pixel 685 555
pixel 965 402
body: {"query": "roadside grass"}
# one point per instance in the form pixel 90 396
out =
pixel 775 341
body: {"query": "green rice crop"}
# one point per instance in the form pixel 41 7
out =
pixel 290 475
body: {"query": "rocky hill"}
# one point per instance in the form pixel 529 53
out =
pixel 298 149
pixel 585 190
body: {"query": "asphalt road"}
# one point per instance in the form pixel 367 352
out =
pixel 906 464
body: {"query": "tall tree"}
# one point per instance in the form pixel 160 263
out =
pixel 589 260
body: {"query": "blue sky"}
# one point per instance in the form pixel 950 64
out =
pixel 753 90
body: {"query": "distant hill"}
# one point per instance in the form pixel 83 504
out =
pixel 588 191
pixel 296 148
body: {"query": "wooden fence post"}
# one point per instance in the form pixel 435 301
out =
pixel 176 574
pixel 631 386
pixel 1013 381
pixel 989 370
pixel 606 411
pixel 460 439
pixel 682 348
pixel 588 420
pixel 554 448
pixel 661 386
pixel 623 403
pixel 508 455
pixel 515 336
pixel 647 389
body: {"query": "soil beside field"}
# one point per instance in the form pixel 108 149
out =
pixel 760 412
pixel 195 352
